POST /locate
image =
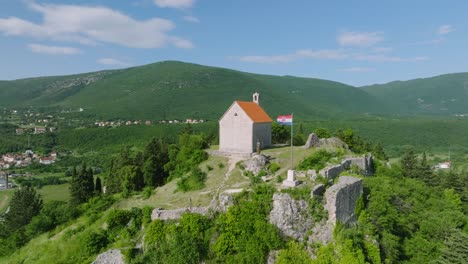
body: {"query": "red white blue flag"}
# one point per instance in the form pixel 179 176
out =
pixel 285 120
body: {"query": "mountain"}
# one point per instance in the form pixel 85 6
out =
pixel 444 94
pixel 173 89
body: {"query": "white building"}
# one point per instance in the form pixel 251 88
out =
pixel 243 126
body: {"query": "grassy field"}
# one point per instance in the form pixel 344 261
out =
pixel 55 192
pixel 5 197
pixel 227 177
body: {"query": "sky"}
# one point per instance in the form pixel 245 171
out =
pixel 354 42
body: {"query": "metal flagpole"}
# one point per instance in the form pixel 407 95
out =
pixel 292 131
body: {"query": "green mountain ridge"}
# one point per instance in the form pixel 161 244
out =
pixel 178 90
pixel 443 94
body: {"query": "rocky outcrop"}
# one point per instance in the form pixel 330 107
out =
pixel 290 216
pixel 175 214
pixel 256 163
pixel 365 165
pixel 341 200
pixel 318 190
pixel 314 141
pixel 331 172
pixel 112 256
pixel 224 201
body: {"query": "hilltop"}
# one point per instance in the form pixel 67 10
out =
pixel 173 89
pixel 444 94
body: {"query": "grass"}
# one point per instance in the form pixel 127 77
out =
pixel 55 192
pixel 5 197
pixel 168 198
pixel 58 247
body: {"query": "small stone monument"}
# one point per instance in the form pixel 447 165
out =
pixel 291 180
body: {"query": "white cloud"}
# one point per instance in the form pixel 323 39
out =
pixel 357 69
pixel 175 3
pixel 192 19
pixel 385 58
pixel 53 50
pixel 113 62
pixel 300 54
pixel 359 39
pixel 445 29
pixel 92 25
pixel 382 49
pixel 321 54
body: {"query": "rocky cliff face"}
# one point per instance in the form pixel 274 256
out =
pixel 341 200
pixel 293 218
pixel 290 216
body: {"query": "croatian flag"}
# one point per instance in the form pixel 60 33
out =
pixel 285 120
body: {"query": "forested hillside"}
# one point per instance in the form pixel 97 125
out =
pixel 444 95
pixel 180 90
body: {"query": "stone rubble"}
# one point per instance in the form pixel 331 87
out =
pixel 112 256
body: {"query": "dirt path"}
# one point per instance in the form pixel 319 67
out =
pixel 232 161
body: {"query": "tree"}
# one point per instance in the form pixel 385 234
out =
pixel 322 132
pixel 379 152
pixel 82 185
pixel 25 204
pixel 409 164
pixel 425 172
pixel 279 133
pixel 98 186
pixel 156 156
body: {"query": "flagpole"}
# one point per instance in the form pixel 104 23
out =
pixel 292 125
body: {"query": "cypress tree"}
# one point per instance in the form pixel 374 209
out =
pixel 409 164
pixel 98 186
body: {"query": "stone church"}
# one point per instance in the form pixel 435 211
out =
pixel 244 126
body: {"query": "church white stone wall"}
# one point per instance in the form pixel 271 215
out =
pixel 235 131
pixel 242 126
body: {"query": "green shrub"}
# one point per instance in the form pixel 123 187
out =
pixel 118 219
pixel 262 173
pixel 274 167
pixel 93 241
pixel 209 168
pixel 318 160
pixel 322 132
pixel 194 181
pixel 220 165
pixel 147 192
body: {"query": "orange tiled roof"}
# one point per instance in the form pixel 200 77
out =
pixel 254 111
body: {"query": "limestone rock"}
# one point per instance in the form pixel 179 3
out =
pixel 312 174
pixel 332 143
pixel 112 256
pixel 175 214
pixel 272 256
pixel 225 201
pixel 322 232
pixel 312 141
pixel 256 163
pixel 331 172
pixel 290 216
pixel 318 190
pixel 341 200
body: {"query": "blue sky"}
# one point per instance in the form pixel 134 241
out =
pixel 355 42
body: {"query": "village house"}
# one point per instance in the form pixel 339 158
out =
pixel 19 131
pixel 444 165
pixel 244 126
pixel 39 130
pixel 46 160
pixel 148 122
